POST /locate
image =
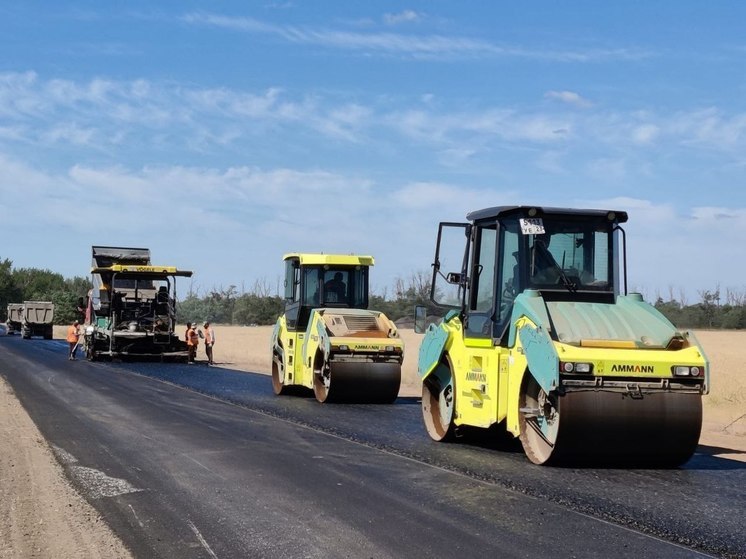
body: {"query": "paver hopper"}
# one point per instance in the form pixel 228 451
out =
pixel 132 307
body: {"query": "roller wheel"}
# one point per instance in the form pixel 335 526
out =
pixel 322 382
pixel 278 376
pixel 607 428
pixel 439 403
pixel 356 382
pixel 539 422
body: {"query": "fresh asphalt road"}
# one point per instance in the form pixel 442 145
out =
pixel 191 461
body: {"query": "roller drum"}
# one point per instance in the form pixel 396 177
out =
pixel 659 429
pixel 352 382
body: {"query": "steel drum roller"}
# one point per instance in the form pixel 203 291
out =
pixel 601 427
pixel 360 382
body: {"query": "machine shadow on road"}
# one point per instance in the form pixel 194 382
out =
pixel 706 459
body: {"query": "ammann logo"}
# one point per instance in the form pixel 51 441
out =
pixel 476 377
pixel 632 369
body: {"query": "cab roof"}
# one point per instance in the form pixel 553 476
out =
pixel 503 211
pixel 141 271
pixel 316 259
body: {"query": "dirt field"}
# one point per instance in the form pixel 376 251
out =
pixel 41 516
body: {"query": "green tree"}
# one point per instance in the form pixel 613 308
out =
pixel 9 291
pixel 734 317
pixel 36 284
pixel 65 306
pixel 251 308
pixel 191 309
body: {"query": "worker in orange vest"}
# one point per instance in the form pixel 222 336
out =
pixel 209 342
pixel 192 340
pixel 73 335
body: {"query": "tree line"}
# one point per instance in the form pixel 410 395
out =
pixel 715 310
pixel 261 305
pixel 34 284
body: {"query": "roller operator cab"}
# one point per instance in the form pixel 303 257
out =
pixel 328 340
pixel 541 338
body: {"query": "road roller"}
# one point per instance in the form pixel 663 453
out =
pixel 541 339
pixel 327 340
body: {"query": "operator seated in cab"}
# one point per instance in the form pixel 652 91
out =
pixel 335 290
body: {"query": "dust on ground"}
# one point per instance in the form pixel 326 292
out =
pixel 41 515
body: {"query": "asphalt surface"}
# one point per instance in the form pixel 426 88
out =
pixel 197 461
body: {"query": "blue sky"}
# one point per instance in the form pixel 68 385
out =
pixel 224 134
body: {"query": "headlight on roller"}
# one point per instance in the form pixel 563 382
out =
pixel 686 371
pixel 580 368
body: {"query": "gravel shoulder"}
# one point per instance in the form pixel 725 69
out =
pixel 41 515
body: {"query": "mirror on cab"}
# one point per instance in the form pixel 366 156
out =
pixel 453 277
pixel 420 316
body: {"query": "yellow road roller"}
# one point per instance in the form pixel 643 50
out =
pixel 541 339
pixel 328 340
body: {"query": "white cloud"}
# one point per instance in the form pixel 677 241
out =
pixel 645 133
pixel 500 123
pixel 99 112
pixel 456 157
pixel 684 252
pixel 143 120
pixel 569 97
pixel 69 132
pixel 240 220
pixel 408 45
pixel 710 127
pixel 405 16
pixel 108 114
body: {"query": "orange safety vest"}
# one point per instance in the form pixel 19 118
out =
pixel 208 335
pixel 192 337
pixel 72 334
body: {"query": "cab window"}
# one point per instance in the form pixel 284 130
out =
pixel 482 294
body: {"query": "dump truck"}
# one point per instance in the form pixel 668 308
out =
pixel 328 340
pixel 38 317
pixel 131 310
pixel 541 339
pixel 15 318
